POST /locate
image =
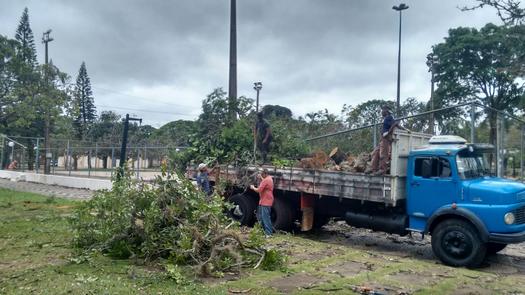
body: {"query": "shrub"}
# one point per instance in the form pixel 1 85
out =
pixel 168 218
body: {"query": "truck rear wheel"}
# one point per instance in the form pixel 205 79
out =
pixel 456 243
pixel 243 210
pixel 282 215
pixel 493 248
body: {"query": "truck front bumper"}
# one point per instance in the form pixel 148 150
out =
pixel 510 238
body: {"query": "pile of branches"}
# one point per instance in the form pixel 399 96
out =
pixel 168 218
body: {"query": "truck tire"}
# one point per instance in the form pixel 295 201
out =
pixel 282 215
pixel 243 210
pixel 493 248
pixel 456 243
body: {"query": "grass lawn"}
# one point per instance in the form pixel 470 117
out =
pixel 36 258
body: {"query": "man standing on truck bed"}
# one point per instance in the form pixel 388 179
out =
pixel 264 136
pixel 381 154
pixel 264 210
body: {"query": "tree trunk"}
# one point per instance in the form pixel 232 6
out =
pixel 105 162
pixel 493 127
pixel 75 162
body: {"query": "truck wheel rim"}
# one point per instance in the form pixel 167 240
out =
pixel 237 212
pixel 457 244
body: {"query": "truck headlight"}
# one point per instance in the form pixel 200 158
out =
pixel 509 218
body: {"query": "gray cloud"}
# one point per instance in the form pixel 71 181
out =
pixel 165 56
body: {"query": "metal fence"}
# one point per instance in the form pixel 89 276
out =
pixel 85 158
pixel 475 122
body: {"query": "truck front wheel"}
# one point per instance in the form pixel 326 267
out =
pixel 243 209
pixel 456 243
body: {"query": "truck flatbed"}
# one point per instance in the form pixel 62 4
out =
pixel 387 189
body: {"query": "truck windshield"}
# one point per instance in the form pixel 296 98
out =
pixel 473 165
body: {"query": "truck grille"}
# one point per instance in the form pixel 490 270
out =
pixel 520 215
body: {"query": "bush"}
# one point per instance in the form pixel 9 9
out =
pixel 169 219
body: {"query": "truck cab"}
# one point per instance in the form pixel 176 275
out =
pixel 452 195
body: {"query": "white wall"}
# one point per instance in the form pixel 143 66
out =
pixel 66 181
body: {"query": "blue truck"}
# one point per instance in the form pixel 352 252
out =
pixel 437 185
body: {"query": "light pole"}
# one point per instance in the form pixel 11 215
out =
pixel 232 84
pixel 47 124
pixel 257 86
pixel 399 8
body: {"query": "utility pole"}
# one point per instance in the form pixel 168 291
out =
pixel 399 8
pixel 47 124
pixel 232 87
pixel 124 145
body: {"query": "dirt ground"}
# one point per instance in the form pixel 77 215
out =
pixel 510 260
pixel 396 265
pixel 340 259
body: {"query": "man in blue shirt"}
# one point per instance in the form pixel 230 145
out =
pixel 202 179
pixel 381 155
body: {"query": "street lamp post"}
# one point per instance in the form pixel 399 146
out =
pixel 399 8
pixel 47 124
pixel 257 86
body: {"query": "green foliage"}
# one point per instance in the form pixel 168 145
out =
pixel 175 273
pixel 274 260
pixel 169 218
pixel 276 111
pixel 24 35
pixel 288 139
pixel 480 65
pixel 29 94
pixel 84 110
pixel 177 133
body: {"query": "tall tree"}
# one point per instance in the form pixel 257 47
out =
pixel 277 111
pixel 474 65
pixel 511 12
pixel 24 35
pixel 8 49
pixel 84 104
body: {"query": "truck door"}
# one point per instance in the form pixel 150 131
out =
pixel 430 186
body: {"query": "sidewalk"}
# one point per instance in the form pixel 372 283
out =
pixel 47 190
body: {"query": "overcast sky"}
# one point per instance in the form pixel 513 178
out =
pixel 158 59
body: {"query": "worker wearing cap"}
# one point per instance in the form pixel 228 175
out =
pixel 264 210
pixel 381 154
pixel 202 178
pixel 263 135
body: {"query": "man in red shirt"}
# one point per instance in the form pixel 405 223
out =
pixel 264 210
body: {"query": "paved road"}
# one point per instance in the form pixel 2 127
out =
pixel 47 190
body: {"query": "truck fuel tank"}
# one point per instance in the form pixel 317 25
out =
pixel 394 224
